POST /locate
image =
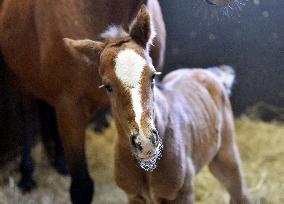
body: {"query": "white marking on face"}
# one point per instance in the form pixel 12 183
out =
pixel 136 103
pixel 128 69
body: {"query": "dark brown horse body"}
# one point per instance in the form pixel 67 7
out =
pixel 31 42
pixel 32 46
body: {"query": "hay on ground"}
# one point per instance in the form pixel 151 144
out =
pixel 262 151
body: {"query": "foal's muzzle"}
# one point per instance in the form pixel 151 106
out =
pixel 145 147
pixel 147 150
pixel 137 144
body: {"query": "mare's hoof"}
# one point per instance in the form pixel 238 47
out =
pixel 26 185
pixel 82 191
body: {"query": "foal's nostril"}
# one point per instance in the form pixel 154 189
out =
pixel 133 139
pixel 135 143
pixel 154 138
pixel 149 153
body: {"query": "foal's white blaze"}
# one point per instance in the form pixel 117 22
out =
pixel 136 103
pixel 128 68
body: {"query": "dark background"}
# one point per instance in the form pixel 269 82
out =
pixel 249 37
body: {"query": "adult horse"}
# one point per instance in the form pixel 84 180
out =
pixel 32 47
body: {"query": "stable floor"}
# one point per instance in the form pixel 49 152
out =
pixel 262 151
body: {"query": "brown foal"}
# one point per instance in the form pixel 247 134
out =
pixel 172 130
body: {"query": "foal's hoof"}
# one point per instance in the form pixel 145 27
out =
pixel 60 166
pixel 26 185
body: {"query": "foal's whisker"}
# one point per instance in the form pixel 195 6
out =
pixel 101 86
pixel 158 73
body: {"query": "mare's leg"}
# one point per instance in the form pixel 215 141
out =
pixel 26 166
pixel 50 136
pixel 72 124
pixel 226 166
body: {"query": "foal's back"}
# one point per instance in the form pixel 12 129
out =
pixel 198 100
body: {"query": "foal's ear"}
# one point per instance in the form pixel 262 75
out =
pixel 141 29
pixel 86 50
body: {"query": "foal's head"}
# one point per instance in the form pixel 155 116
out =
pixel 128 76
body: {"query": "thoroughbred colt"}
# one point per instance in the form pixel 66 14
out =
pixel 171 130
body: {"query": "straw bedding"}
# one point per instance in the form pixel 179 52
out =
pixel 262 151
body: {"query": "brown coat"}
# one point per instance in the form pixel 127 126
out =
pixel 189 115
pixel 32 47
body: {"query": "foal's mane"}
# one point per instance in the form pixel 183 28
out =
pixel 114 31
pixel 114 35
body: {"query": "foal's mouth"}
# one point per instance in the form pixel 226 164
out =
pixel 149 163
pixel 148 157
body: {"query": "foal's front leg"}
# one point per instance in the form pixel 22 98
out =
pixel 72 124
pixel 137 199
pixel 184 197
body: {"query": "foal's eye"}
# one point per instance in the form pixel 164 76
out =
pixel 108 88
pixel 153 78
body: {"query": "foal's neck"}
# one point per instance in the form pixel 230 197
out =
pixel 161 110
